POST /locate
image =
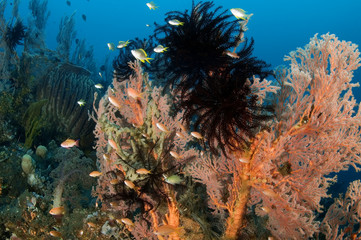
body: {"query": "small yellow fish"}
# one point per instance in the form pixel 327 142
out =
pixel 239 13
pixel 100 74
pixel 81 102
pixel 69 143
pixel 95 174
pixel 57 211
pixel 160 49
pixel 122 44
pixel 175 22
pixel 151 5
pixel 99 86
pixel 174 179
pixel 141 55
pixel 111 46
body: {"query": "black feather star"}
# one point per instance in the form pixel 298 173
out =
pixel 212 80
pixel 195 48
pixel 14 35
pixel 225 111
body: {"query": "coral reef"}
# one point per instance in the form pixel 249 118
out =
pixel 285 172
pixel 141 145
pixel 64 169
pixel 225 154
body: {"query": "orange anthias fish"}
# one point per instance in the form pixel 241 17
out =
pixel 55 234
pixel 114 101
pixel 166 230
pixel 70 143
pixel 142 171
pixel 134 94
pixel 113 144
pixel 127 221
pixel 196 135
pixel 162 127
pixel 57 211
pixel 95 174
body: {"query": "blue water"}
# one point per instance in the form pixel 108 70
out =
pixel 278 27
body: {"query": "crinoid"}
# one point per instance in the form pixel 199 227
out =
pixel 211 78
pixel 14 35
pixel 225 111
pixel 196 47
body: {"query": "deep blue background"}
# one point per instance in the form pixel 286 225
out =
pixel 278 27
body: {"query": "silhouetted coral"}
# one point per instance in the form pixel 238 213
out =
pixel 225 111
pixel 14 35
pixel 197 47
pixel 212 79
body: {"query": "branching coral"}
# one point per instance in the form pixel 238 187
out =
pixel 35 39
pixel 141 146
pixel 65 36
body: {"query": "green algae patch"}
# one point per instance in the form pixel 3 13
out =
pixel 34 121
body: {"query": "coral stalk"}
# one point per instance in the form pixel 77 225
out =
pixel 235 221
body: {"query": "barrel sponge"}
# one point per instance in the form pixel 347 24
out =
pixel 63 86
pixel 41 151
pixel 27 164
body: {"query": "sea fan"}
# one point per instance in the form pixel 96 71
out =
pixel 14 35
